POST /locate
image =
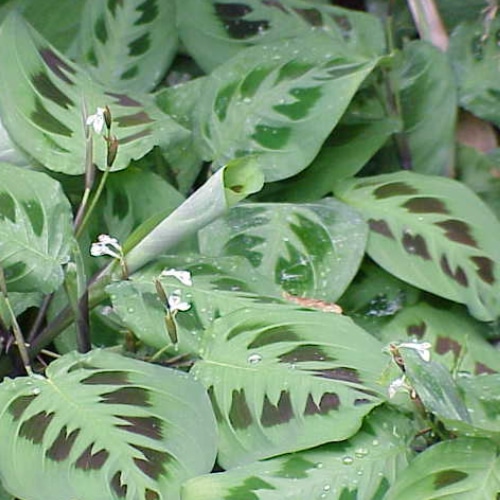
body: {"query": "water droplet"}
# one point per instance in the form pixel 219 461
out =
pixel 319 465
pixel 130 310
pixel 327 487
pixel 361 452
pixel 347 460
pixel 375 442
pixel 247 100
pixel 36 391
pixel 255 358
pixel 360 472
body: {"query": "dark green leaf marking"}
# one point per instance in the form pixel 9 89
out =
pixel 120 204
pixel 244 328
pixel 361 401
pixel 46 87
pixel 457 230
pixel 274 335
pixel 110 377
pixel 14 271
pixel 139 46
pixel 251 83
pixel 341 373
pixel 348 494
pixel 459 275
pixel 417 331
pixel 240 416
pixel 134 137
pixel 48 122
pixel 100 30
pixel 295 467
pixel 293 70
pixel 124 100
pixel 382 489
pixel 151 495
pixel 311 16
pixel 344 24
pixel 34 212
pixel 62 445
pixel 394 189
pixel 312 235
pixel 34 428
pixel 134 396
pixel 91 461
pixel 130 73
pixel 57 65
pixel 415 245
pixel 19 405
pixel 295 273
pixel 304 353
pixel 329 401
pixel 215 404
pixel 145 426
pixel 222 100
pixel 306 98
pixel 277 414
pixel 154 461
pixel 484 268
pixel 132 120
pixel 243 244
pixel 445 344
pixel 380 226
pixel 82 365
pixel 245 490
pixel 117 486
pixel 92 57
pixel 447 477
pixel 149 12
pixel 425 205
pixel 232 17
pixel 7 207
pixel 271 137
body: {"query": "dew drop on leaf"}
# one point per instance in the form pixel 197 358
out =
pixel 347 460
pixel 255 358
pixel 361 452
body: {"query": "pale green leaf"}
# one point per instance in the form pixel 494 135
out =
pixel 460 469
pixel 45 100
pixel 104 426
pixel 434 233
pixel 213 32
pixel 35 230
pixel 287 380
pixel 127 46
pixel 308 250
pixel 278 102
pixel 363 467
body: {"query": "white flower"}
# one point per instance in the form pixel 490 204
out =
pixel 183 276
pixel 422 348
pixel 175 303
pixel 97 121
pixel 106 245
pixel 397 385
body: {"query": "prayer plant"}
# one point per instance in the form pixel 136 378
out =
pixel 249 250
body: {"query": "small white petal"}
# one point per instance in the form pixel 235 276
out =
pixel 105 239
pixel 101 247
pixel 96 121
pixel 422 348
pixel 176 304
pixel 395 386
pixel 183 276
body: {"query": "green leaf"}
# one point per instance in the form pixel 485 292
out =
pixel 9 153
pixel 308 250
pixel 213 32
pixel 429 107
pixel 363 467
pixel 44 99
pixel 19 302
pixel 35 230
pixel 472 52
pixel 462 469
pixel 4 495
pixel 287 380
pixel 226 187
pixel 279 102
pixel 434 233
pixel 456 339
pixel 104 426
pixel 128 46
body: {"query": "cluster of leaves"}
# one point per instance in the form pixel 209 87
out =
pixel 296 165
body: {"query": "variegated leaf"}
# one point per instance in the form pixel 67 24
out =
pixel 45 99
pixel 127 46
pixel 283 381
pixel 278 102
pixel 35 230
pixel 434 233
pixel 362 467
pixel 308 250
pixel 102 426
pixel 456 339
pixel 214 31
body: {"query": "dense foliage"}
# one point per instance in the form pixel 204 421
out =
pixel 260 238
